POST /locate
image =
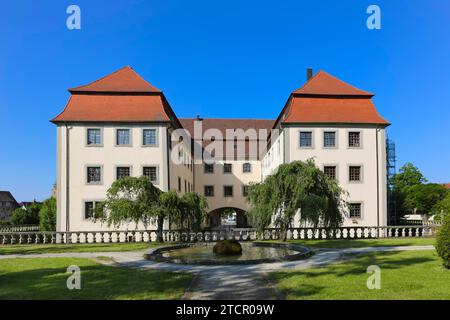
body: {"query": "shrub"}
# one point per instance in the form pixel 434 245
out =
pixel 227 247
pixel 443 241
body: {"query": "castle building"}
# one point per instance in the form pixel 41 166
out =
pixel 121 125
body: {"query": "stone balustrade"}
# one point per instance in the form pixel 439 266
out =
pixel 248 234
pixel 21 228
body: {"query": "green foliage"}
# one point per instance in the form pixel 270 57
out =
pixel 29 215
pixel 408 177
pixel 136 200
pixel 47 215
pixel 443 241
pixel 193 210
pixel 297 185
pixel 442 207
pixel 423 198
pixel 128 200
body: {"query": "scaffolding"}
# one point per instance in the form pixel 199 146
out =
pixel 391 171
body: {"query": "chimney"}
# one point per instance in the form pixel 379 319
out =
pixel 309 73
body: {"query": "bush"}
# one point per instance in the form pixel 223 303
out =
pixel 227 247
pixel 443 241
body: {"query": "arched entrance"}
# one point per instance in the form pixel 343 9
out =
pixel 228 217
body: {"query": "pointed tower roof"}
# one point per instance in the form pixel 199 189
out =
pixel 124 80
pixel 323 83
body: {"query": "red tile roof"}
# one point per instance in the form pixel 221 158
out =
pixel 113 108
pixel 224 124
pixel 326 99
pixel 323 83
pixel 124 80
pixel 333 110
pixel 122 96
pixel 446 185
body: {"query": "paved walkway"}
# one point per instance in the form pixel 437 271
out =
pixel 246 282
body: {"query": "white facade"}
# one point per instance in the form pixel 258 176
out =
pixel 172 160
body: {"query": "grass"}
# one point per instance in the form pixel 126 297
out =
pixel 359 243
pixel 411 275
pixel 45 278
pixel 61 248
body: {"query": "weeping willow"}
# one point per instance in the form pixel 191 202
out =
pixel 296 187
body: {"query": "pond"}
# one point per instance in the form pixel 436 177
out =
pixel 202 253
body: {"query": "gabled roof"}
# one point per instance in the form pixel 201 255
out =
pixel 323 83
pixel 7 196
pixel 124 80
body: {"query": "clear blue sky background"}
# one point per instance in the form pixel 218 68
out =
pixel 222 59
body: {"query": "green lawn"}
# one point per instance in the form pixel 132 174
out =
pixel 60 248
pixel 404 275
pixel 45 278
pixel 359 243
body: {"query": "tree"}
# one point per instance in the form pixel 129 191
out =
pixel 28 215
pixel 47 215
pixel 408 177
pixel 128 200
pixel 442 207
pixel 193 211
pixel 168 206
pixel 296 186
pixel 443 241
pixel 423 198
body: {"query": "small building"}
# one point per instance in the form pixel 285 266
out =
pixel 446 186
pixel 7 205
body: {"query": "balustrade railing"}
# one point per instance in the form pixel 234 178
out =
pixel 21 228
pixel 32 237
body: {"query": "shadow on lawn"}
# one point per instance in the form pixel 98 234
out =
pixel 97 282
pixel 357 266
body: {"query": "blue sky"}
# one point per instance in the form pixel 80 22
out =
pixel 222 59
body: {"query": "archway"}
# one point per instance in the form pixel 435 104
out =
pixel 227 217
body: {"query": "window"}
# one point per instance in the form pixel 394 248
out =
pixel 227 167
pixel 330 172
pixel 89 207
pixel 209 168
pixel 94 137
pixel 122 172
pixel 245 190
pixel 150 173
pixel 227 191
pixel 185 185
pixel 94 175
pixel 354 173
pixel 149 137
pixel 247 167
pixel 355 210
pixel 179 184
pixel 123 137
pixel 329 139
pixel 209 191
pixel 305 139
pixel 354 139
